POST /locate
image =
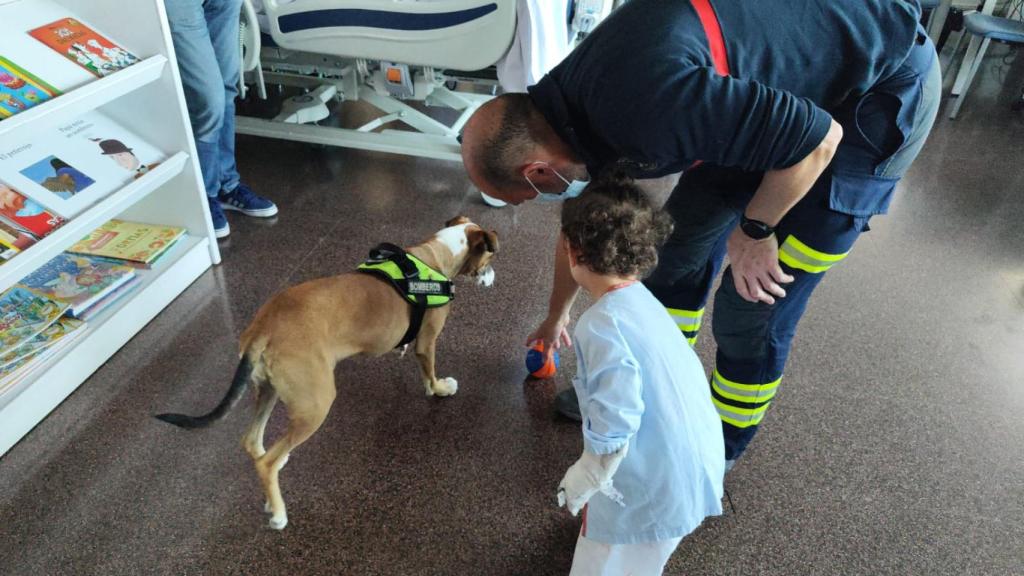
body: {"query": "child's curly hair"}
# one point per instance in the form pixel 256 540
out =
pixel 613 228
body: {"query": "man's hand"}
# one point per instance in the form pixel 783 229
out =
pixel 755 267
pixel 553 332
pixel 588 476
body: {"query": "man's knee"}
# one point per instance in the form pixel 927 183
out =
pixel 741 328
pixel 206 111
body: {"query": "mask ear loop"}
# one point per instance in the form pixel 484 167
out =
pixel 560 177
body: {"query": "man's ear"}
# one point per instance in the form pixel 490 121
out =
pixel 456 221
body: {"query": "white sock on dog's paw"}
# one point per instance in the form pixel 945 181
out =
pixel 446 386
pixel 266 507
pixel 279 523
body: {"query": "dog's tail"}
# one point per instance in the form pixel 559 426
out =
pixel 243 378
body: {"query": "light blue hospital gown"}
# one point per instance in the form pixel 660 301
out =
pixel 638 381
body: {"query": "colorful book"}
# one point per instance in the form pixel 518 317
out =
pixel 77 280
pixel 13 237
pixel 20 90
pixel 26 213
pixel 67 168
pixel 134 242
pixel 48 337
pixel 110 299
pixel 44 346
pixel 24 314
pixel 84 46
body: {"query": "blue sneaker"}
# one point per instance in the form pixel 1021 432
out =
pixel 244 200
pixel 220 221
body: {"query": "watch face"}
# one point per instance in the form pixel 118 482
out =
pixel 756 230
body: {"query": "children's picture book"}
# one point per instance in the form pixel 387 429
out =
pixel 24 314
pixel 78 280
pixel 134 242
pixel 26 213
pixel 14 237
pixel 48 337
pixel 20 90
pixel 72 166
pixel 42 347
pixel 57 176
pixel 110 299
pixel 84 46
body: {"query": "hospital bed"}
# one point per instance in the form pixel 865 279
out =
pixel 386 53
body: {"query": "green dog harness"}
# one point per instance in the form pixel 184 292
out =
pixel 422 286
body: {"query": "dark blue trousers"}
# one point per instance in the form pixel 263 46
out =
pixel 883 132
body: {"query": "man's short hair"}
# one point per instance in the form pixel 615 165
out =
pixel 518 132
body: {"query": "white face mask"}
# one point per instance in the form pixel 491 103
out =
pixel 572 189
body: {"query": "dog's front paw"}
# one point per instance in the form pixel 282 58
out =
pixel 446 387
pixel 278 523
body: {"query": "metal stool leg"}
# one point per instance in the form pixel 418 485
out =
pixel 970 78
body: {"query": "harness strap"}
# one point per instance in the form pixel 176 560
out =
pixel 410 287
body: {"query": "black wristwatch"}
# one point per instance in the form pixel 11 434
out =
pixel 756 229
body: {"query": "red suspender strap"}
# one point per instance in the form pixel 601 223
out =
pixel 713 31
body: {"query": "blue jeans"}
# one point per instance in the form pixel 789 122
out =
pixel 883 132
pixel 205 35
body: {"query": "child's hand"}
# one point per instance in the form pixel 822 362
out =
pixel 589 475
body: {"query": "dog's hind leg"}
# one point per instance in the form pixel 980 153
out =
pixel 266 399
pixel 307 389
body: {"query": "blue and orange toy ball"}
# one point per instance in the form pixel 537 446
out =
pixel 536 365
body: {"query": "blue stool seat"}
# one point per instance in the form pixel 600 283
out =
pixel 994 27
pixel 988 28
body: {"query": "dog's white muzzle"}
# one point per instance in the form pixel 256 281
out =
pixel 485 277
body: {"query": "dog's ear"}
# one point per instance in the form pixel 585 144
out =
pixel 456 221
pixel 482 241
pixel 491 241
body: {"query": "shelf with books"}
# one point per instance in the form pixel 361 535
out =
pixel 95 129
pixel 50 381
pixel 88 97
pixel 81 225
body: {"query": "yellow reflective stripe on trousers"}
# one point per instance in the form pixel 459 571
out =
pixel 749 393
pixel 796 254
pixel 740 417
pixel 686 320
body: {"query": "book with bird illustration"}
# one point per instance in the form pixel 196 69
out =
pixel 66 169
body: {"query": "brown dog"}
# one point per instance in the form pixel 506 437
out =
pixel 292 346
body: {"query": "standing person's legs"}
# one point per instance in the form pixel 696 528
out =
pixel 593 558
pixel 883 132
pixel 202 83
pixel 222 18
pixel 204 94
pixel 705 206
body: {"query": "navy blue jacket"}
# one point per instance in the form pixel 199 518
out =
pixel 642 87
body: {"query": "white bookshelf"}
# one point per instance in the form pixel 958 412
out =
pixel 148 98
